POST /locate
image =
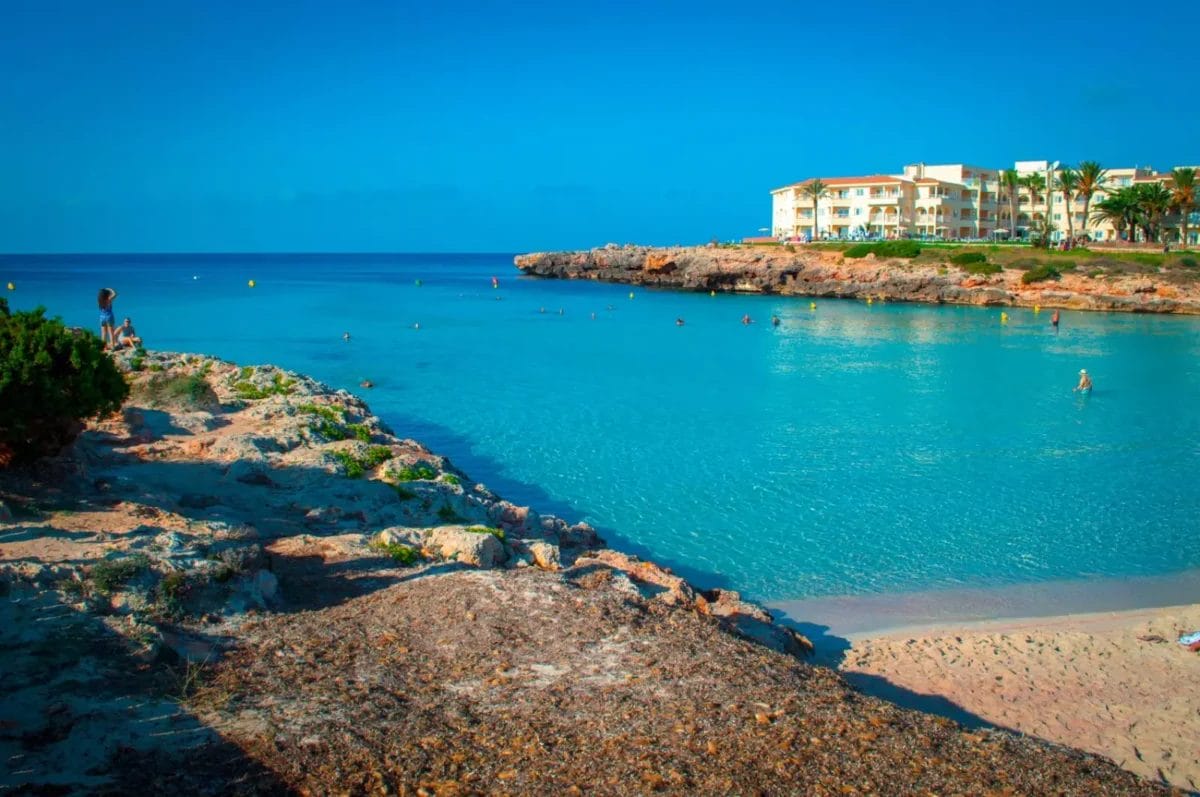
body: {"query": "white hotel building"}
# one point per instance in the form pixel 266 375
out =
pixel 947 201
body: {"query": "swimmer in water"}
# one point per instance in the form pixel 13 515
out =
pixel 1054 320
pixel 560 311
pixel 774 320
pixel 367 383
pixel 678 322
pixel 1085 382
pixel 747 320
pixel 541 309
pixel 346 336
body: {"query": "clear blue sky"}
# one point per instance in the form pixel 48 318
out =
pixel 212 125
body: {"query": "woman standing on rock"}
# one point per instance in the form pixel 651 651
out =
pixel 108 326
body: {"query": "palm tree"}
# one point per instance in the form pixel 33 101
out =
pixel 1183 197
pixel 1067 181
pixel 1115 210
pixel 815 190
pixel 1154 202
pixel 1091 180
pixel 1011 181
pixel 1036 184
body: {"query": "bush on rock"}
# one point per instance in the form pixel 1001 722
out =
pixel 51 378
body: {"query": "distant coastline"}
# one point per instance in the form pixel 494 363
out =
pixel 1080 280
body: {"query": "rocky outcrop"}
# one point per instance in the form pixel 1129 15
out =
pixel 827 273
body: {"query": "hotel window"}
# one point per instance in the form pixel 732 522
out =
pixel 858 192
pixel 1058 217
pixel 858 211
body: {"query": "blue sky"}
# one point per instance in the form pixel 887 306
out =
pixel 167 125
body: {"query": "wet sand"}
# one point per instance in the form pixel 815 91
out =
pixel 1116 683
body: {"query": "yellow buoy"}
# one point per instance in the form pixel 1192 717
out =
pixel 1004 318
pixel 12 287
pixel 870 300
pixel 812 305
pixel 1037 308
pixel 250 283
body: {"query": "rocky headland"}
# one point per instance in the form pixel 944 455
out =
pixel 246 583
pixel 820 272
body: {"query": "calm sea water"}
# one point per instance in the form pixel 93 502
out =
pixel 853 449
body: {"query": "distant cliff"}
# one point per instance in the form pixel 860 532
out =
pixel 829 273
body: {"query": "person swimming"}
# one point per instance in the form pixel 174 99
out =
pixel 678 322
pixel 1085 382
pixel 774 320
pixel 346 336
pixel 1054 320
pixel 747 320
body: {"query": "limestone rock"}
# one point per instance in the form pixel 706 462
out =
pixel 457 544
pixel 545 555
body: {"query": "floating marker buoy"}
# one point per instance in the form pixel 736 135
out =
pixel 870 300
pixel 1004 318
pixel 416 326
pixel 1037 308
pixel 417 283
pixel 250 283
pixel 812 305
pixel 712 293
pixel 631 294
pixel 12 287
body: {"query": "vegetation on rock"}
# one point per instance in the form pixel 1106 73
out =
pixel 51 378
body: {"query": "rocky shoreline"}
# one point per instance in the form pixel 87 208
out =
pixel 828 273
pixel 246 583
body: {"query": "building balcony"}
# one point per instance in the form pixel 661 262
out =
pixel 883 199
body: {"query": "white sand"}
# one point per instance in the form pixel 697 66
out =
pixel 1099 682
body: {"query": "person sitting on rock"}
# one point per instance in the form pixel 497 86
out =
pixel 128 336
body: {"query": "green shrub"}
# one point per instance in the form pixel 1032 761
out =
pixel 967 258
pixel 495 532
pixel 329 430
pixel 360 432
pixel 1040 274
pixel 51 378
pixel 450 478
pixel 190 391
pixel 1188 262
pixel 357 467
pixel 136 362
pixel 447 514
pixel 279 387
pixel 885 249
pixel 897 249
pixel 109 574
pixel 328 413
pixel 418 471
pixel 402 555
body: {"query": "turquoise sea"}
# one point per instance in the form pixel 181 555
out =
pixel 854 449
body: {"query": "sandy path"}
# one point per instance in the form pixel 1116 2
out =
pixel 1100 682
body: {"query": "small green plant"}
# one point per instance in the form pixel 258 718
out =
pixel 447 514
pixel 357 467
pixel 136 362
pixel 246 372
pixel 967 258
pixel 982 268
pixel 109 574
pixel 279 387
pixel 330 414
pixel 1040 273
pixel 360 432
pixel 418 471
pixel 495 532
pixel 401 554
pixel 1188 262
pixel 329 430
pixel 450 478
pixel 154 368
pixel 790 248
pixel 350 464
pixel 71 586
pixel 1094 273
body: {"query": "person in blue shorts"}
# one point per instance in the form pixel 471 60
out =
pixel 108 325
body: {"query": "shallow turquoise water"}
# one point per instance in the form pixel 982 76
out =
pixel 852 449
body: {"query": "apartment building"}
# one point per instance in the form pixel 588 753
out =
pixel 942 201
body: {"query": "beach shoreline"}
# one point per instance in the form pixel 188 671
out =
pixel 1115 683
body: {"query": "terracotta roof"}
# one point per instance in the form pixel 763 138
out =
pixel 870 179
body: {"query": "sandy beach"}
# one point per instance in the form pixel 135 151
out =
pixel 1116 684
